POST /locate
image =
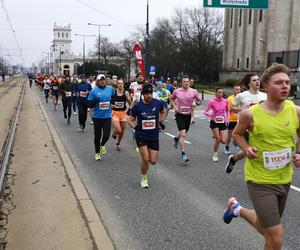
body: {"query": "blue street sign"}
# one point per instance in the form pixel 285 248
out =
pixel 152 70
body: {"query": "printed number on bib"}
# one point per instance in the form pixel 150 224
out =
pixel 219 119
pixel 185 110
pixel 83 94
pixel 119 105
pixel 68 94
pixel 104 105
pixel 148 124
pixel 55 87
pixel 277 159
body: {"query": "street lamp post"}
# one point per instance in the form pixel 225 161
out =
pixel 83 49
pixel 99 26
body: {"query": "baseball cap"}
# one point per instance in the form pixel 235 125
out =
pixel 147 89
pixel 100 77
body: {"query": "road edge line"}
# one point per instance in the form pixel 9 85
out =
pixel 93 221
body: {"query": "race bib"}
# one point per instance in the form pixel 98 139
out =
pixel 277 159
pixel 55 87
pixel 119 105
pixel 68 94
pixel 148 124
pixel 104 105
pixel 83 94
pixel 219 119
pixel 185 110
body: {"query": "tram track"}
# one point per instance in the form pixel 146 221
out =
pixel 9 141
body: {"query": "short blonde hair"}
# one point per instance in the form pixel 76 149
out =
pixel 274 69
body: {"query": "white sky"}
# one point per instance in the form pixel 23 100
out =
pixel 33 22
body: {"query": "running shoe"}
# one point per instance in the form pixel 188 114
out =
pixel 184 158
pixel 226 151
pixel 97 157
pixel 144 182
pixel 114 136
pixel 176 142
pixel 118 148
pixel 75 113
pixel 215 157
pixel 137 149
pixel 228 214
pixel 65 115
pixel 91 123
pixel 103 150
pixel 230 164
pixel 162 125
pixel 193 120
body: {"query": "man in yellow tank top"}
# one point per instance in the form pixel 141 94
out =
pixel 273 125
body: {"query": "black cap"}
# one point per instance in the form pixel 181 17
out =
pixel 147 89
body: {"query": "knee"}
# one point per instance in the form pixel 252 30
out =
pixel 223 141
pixel 275 241
pixel 118 130
pixel 217 139
pixel 153 161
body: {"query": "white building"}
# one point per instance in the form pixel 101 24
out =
pixel 253 38
pixel 65 62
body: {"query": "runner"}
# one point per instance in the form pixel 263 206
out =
pixel 233 118
pixel 54 90
pixel 82 91
pixel 270 153
pixel 243 101
pixel 184 98
pixel 192 85
pixel 100 98
pixel 92 82
pixel 66 88
pixel 136 88
pixel 219 119
pixel 144 118
pixel 119 115
pixel 74 94
pixel 47 87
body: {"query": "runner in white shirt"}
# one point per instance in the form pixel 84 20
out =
pixel 243 101
pixel 47 87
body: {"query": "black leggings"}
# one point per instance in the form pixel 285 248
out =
pixel 99 125
pixel 67 104
pixel 74 102
pixel 46 92
pixel 82 113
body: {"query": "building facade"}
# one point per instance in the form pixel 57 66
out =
pixel 254 38
pixel 64 61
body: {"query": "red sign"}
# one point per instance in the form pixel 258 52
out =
pixel 139 57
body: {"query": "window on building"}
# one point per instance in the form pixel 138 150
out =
pixel 58 34
pixel 247 63
pixel 62 34
pixel 238 63
pixel 231 17
pixel 67 35
pixel 240 18
pixel 260 15
pixel 250 16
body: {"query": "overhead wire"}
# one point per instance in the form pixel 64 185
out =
pixel 12 30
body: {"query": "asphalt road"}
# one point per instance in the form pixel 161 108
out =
pixel 184 206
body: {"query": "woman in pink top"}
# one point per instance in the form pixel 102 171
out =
pixel 219 115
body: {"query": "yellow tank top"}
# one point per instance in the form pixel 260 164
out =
pixel 274 137
pixel 233 117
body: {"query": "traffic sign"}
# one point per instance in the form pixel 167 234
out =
pixel 250 4
pixel 152 70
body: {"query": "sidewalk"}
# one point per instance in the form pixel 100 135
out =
pixel 47 215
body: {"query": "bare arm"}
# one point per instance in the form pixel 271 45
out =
pixel 128 98
pixel 162 115
pixel 296 158
pixel 245 123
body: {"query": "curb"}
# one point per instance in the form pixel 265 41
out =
pixel 98 232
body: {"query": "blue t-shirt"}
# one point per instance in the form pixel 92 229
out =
pixel 103 107
pixel 81 88
pixel 147 119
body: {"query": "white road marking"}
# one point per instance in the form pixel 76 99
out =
pixel 187 142
pixel 295 188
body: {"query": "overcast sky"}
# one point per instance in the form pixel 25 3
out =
pixel 33 22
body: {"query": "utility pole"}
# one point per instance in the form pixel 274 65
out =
pixel 99 44
pixel 147 41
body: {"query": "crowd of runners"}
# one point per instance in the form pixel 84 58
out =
pixel 261 126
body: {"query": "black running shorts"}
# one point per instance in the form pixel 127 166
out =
pixel 152 144
pixel 220 126
pixel 232 125
pixel 183 121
